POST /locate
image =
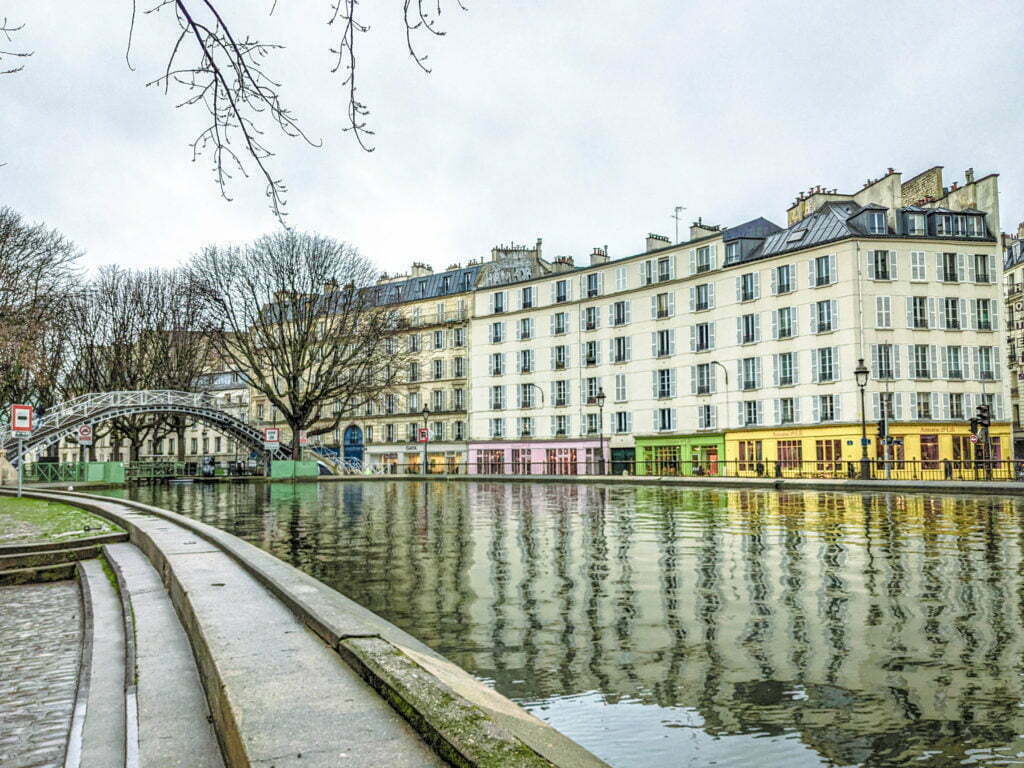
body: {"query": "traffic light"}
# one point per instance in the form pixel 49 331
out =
pixel 984 417
pixel 974 426
pixel 882 428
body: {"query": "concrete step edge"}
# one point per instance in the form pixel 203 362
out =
pixel 47 546
pixel 34 575
pixel 47 557
pixel 131 708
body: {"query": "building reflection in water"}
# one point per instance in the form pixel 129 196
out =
pixel 857 629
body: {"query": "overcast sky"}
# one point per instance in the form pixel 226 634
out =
pixel 581 123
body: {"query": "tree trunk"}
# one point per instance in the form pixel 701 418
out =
pixel 180 432
pixel 136 450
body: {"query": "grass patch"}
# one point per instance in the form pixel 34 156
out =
pixel 27 520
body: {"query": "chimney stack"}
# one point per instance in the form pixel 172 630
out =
pixel 654 242
pixel 599 256
pixel 969 176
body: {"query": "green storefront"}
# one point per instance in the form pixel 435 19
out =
pixel 687 455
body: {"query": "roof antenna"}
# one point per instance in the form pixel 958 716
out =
pixel 675 215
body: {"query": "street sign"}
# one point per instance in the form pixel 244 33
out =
pixel 974 438
pixel 85 434
pixel 423 435
pixel 21 419
pixel 865 441
pixel 303 437
pixel 271 438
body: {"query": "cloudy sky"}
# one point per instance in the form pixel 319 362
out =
pixel 581 123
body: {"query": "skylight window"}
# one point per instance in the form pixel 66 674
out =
pixel 796 235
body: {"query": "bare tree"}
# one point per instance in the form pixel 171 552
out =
pixel 7 32
pixel 298 315
pixel 220 68
pixel 38 277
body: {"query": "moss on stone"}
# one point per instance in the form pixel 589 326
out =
pixel 30 520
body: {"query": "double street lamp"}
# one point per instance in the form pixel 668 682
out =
pixel 598 400
pixel 861 372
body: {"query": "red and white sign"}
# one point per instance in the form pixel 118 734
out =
pixel 271 437
pixel 21 419
pixel 974 438
pixel 423 435
pixel 85 434
pixel 303 437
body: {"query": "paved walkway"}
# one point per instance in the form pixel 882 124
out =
pixel 40 638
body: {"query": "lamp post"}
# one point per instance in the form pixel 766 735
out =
pixel 861 372
pixel 426 442
pixel 599 400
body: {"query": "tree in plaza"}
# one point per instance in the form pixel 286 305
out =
pixel 298 315
pixel 38 278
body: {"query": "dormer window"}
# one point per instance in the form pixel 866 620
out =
pixel 876 222
pixel 732 252
pixel 975 226
pixel 916 224
pixel 944 225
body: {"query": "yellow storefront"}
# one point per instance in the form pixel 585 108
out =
pixel 919 451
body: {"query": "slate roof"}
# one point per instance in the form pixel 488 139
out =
pixel 429 286
pixel 755 228
pixel 830 222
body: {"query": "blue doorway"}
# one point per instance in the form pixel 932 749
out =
pixel 353 445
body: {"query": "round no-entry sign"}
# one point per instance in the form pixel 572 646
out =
pixel 85 434
pixel 974 438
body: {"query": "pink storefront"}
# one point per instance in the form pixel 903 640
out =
pixel 557 457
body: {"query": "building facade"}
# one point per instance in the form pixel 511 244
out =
pixel 1013 274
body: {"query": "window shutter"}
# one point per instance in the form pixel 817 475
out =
pixel 759 411
pixel 711 378
pixel 963 314
pixel 693 379
pixel 913 405
pixel 795 317
pixel 739 414
pixel 796 368
pixel 671 304
pixel 832 268
pixel 778 411
pixel 994 314
pixel 654 307
pixel 654 384
pixel 961 268
pixel 692 256
pixel 711 334
pixel 897 406
pixel 774 282
pixel 944 362
pixel 672 267
pixel 938 268
pixel 871 264
pixel 995 363
pixel 775 370
pixel 810 273
pixel 931 312
pixel 813 317
pixel 971 271
pixel 672 382
pixel 896 361
pixel 552 325
pixel 739 289
pixel 629 348
pixel 942 315
pixel 876 406
pixel 672 341
pixel 757 285
pixel 910 311
pixel 654 344
pixel 739 329
pixel 611 314
pixel 894 265
pixel 551 293
pixel 796 409
pixel 835 314
pixel 876 361
pixel 693 298
pixel 999 403
pixel 814 367
pixel 992 268
pixel 775 324
pixel 711 295
pixel 713 413
pixel 714 257
pixel 693 338
pixel 933 365
pixel 836 374
pixel 815 408
pixel 757 326
pixel 945 406
pixel 837 407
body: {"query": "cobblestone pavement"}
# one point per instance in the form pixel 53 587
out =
pixel 40 637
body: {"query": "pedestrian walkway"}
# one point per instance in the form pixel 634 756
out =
pixel 40 645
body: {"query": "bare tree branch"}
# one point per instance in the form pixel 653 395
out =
pixel 7 32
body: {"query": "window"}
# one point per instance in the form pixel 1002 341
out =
pixel 703 379
pixel 591 353
pixel 823 268
pixel 791 454
pixel 412 402
pixel 526 393
pixel 664 383
pixel 414 371
pixel 919 312
pixel 526 361
pixel 663 305
pixel 880 265
pixel 750 413
pixel 664 342
pixel 748 328
pixel 983 315
pixel 497 397
pixel 929 451
pixel 526 328
pixel 497 365
pixel 621 281
pixel 438 339
pixel 732 253
pixel 561 393
pixel 787 410
pixel 561 291
pixel 829 454
pixel 826 408
pixel 437 431
pixel 559 323
pixel 560 426
pixel 620 349
pixel 750 373
pixel 918 270
pixel 750 456
pixel 707 417
pixel 954 362
pixel 944 225
pixel 414 343
pixel 785 323
pixel 497 428
pixel 982 273
pixel 458 399
pixel 410 431
pixel 390 404
pixel 784 278
pixel 920 365
pixel 785 369
pixel 497 332
pixel 826 364
pixel 438 369
pixel 620 313
pixel 747 287
pixel 664 269
pixel 593 285
pixel 986 370
pixel 824 316
pixel 703 336
pixel 883 312
pixel 916 224
pixel 560 357
pixel 701 297
pixel 526 297
pixel 389 433
pixel 664 419
pixel 459 367
pixel 975 226
pixel 590 319
pixel 620 422
pixel 948 271
pixel 956 405
pixel 591 423
pixel 883 363
pixel 646 273
pixel 876 223
pixel 437 400
pixel 498 302
pixel 620 387
pixel 951 313
pixel 702 262
pixel 459 337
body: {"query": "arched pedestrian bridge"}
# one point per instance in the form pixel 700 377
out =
pixel 64 419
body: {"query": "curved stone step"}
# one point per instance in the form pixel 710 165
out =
pixel 47 557
pixel 58 572
pixel 173 726
pixel 44 546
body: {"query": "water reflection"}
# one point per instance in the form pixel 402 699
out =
pixel 666 627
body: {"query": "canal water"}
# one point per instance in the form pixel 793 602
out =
pixel 675 627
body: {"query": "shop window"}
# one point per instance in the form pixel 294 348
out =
pixel 750 456
pixel 829 455
pixel 929 451
pixel 791 454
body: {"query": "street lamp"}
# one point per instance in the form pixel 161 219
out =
pixel 599 401
pixel 426 442
pixel 862 372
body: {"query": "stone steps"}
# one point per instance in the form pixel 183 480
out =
pixel 58 572
pixel 45 557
